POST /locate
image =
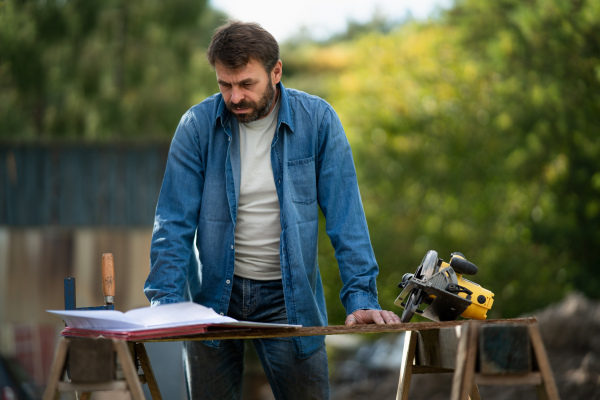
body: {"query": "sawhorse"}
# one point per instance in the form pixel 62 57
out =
pixel 465 378
pixel 504 358
pixel 80 349
pixel 91 364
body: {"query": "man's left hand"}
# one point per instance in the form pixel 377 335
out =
pixel 372 317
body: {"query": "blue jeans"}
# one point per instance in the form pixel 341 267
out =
pixel 216 373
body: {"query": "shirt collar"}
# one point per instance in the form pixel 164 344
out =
pixel 285 110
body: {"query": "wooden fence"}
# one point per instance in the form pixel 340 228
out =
pixel 62 207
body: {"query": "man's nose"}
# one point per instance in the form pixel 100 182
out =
pixel 236 95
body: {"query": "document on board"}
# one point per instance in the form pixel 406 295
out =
pixel 157 317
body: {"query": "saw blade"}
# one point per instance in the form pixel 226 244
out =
pixel 429 265
pixel 413 301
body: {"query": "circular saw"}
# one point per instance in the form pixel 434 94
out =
pixel 438 292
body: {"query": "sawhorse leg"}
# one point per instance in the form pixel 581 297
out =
pixel 131 383
pixel 149 377
pixel 463 383
pixel 547 390
pixel 408 357
pixel 57 370
pixel 465 375
pixel 406 368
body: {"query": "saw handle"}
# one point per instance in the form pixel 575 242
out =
pixel 108 278
pixel 462 266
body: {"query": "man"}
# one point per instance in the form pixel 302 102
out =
pixel 246 174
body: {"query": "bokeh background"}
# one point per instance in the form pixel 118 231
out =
pixel 474 127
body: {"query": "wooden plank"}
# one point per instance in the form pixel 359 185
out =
pixel 504 349
pixel 408 357
pixel 91 387
pixel 466 354
pixel 530 378
pixel 419 370
pixel 255 333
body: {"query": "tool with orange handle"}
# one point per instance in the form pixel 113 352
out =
pixel 108 278
pixel 108 287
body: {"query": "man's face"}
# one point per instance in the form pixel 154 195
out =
pixel 249 92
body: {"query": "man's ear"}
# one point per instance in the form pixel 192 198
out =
pixel 276 72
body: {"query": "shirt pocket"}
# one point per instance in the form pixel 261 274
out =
pixel 303 180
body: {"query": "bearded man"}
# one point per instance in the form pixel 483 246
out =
pixel 236 223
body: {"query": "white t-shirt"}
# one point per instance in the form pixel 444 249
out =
pixel 258 226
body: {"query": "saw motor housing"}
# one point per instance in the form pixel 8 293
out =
pixel 441 288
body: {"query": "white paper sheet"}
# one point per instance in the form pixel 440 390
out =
pixel 167 315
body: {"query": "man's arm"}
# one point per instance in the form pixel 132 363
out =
pixel 176 217
pixel 339 199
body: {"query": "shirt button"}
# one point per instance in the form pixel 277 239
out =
pixel 221 313
pixel 231 247
pixel 228 281
pixel 229 139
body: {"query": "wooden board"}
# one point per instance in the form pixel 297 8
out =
pixel 254 333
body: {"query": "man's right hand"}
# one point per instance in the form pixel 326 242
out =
pixel 379 317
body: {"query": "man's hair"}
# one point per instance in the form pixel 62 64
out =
pixel 236 42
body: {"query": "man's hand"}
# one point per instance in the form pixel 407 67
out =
pixel 372 317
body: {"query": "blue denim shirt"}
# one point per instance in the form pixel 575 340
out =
pixel 312 167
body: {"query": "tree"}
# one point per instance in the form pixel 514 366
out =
pixel 476 133
pixel 545 58
pixel 101 69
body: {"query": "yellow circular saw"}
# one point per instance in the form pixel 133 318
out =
pixel 438 292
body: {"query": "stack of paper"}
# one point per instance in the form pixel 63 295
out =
pixel 169 320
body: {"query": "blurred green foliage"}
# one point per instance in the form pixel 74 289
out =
pixel 478 133
pixel 473 132
pixel 101 69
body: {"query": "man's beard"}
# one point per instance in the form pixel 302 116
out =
pixel 260 109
